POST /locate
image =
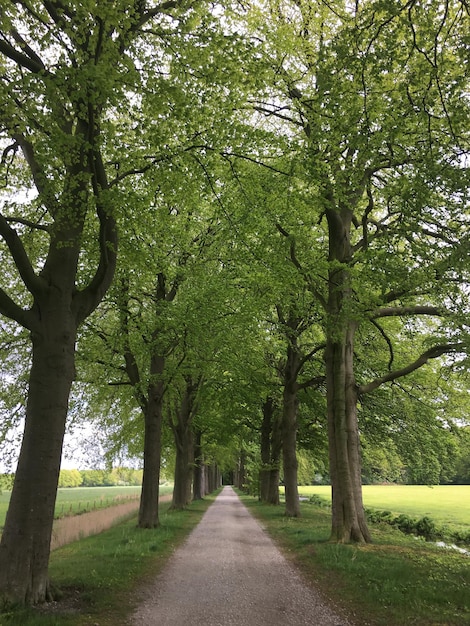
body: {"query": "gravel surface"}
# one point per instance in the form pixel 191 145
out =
pixel 229 572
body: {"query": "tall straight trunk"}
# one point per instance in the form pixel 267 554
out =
pixel 271 448
pixel 265 449
pixel 151 402
pixel 184 465
pixel 242 482
pixel 25 543
pixel 276 451
pixel 184 441
pixel 153 419
pixel 213 477
pixel 289 433
pixel 348 517
pixel 198 481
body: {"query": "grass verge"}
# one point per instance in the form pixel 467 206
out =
pixel 394 581
pixel 97 579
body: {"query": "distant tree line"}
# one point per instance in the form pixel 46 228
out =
pixel 118 476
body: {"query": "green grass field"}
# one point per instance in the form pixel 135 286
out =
pixel 79 499
pixel 447 505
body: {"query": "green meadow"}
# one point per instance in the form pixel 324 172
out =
pixel 447 505
pixel 71 501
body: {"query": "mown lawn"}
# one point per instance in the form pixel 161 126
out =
pixel 447 505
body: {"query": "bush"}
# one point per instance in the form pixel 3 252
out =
pixel 425 527
pixel 405 523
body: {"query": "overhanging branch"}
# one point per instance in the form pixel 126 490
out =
pixel 407 310
pixel 432 353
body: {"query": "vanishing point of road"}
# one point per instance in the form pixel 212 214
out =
pixel 230 573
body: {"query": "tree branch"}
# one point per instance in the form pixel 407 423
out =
pixel 40 181
pixel 31 281
pixel 34 65
pixel 407 310
pixel 89 298
pixel 316 381
pixel 10 309
pixel 432 353
pixel 295 261
pixel 388 342
pixel 24 222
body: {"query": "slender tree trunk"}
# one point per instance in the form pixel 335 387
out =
pixel 153 417
pixel 25 542
pixel 348 518
pixel 208 472
pixel 184 440
pixel 242 483
pixel 271 448
pixel 289 433
pixel 183 470
pixel 198 483
pixel 265 448
pixel 276 451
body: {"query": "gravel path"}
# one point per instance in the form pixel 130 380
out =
pixel 229 572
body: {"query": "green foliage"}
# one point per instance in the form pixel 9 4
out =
pixel 6 482
pixel 70 478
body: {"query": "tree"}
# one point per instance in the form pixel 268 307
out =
pixel 377 108
pixel 65 73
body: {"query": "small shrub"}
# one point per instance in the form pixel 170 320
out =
pixel 426 527
pixel 405 523
pixel 318 501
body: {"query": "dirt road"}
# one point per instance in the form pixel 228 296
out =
pixel 230 573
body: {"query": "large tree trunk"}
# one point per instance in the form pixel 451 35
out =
pixel 25 543
pixel 289 433
pixel 153 416
pixel 348 518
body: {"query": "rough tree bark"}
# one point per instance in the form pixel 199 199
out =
pixel 153 420
pixel 198 482
pixel 25 545
pixel 289 372
pixel 265 449
pixel 184 440
pixel 271 447
pixel 289 432
pixel 348 517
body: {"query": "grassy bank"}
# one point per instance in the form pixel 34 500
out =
pixel 97 579
pixel 396 580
